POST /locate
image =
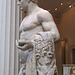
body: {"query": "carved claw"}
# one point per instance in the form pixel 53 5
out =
pixel 22 70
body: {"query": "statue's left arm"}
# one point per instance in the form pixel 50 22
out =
pixel 48 24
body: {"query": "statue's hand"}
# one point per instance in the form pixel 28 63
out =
pixel 24 45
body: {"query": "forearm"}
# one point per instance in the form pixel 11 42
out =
pixel 55 35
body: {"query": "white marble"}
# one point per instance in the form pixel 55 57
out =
pixel 37 22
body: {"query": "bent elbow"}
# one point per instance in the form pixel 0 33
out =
pixel 56 36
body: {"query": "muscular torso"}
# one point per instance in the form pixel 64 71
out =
pixel 29 27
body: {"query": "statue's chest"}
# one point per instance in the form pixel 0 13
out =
pixel 30 19
pixel 29 22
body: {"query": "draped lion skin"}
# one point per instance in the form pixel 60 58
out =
pixel 38 21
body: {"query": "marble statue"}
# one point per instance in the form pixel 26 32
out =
pixel 38 32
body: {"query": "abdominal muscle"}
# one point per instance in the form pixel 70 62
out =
pixel 29 35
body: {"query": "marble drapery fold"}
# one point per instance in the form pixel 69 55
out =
pixel 42 61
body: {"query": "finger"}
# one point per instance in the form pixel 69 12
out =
pixel 22 47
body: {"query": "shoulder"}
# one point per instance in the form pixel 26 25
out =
pixel 44 15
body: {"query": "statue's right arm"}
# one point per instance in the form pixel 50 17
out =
pixel 48 24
